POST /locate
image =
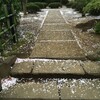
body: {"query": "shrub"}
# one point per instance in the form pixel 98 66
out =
pixel 41 4
pixel 32 8
pixel 93 7
pixel 47 1
pixel 97 28
pixel 35 0
pixel 51 1
pixel 44 4
pixel 55 5
pixel 1 10
pixel 70 4
pixel 64 2
pixel 78 4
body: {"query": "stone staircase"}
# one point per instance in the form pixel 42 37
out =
pixel 57 68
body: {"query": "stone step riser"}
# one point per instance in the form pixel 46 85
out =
pixel 56 75
pixel 56 89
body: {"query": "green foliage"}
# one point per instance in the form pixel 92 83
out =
pixel 32 8
pixel 47 1
pixel 35 0
pixel 51 1
pixel 44 4
pixel 8 7
pixel 8 3
pixel 93 7
pixel 70 4
pixel 55 5
pixel 1 9
pixel 64 2
pixel 17 5
pixel 41 4
pixel 14 2
pixel 78 4
pixel 97 28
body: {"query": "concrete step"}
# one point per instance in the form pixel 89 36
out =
pixel 55 27
pixel 59 20
pixel 55 68
pixel 56 89
pixel 33 91
pixel 58 50
pixel 57 36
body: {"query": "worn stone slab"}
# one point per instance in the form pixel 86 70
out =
pixel 54 12
pixel 92 68
pixel 57 16
pixel 54 15
pixel 55 35
pixel 81 89
pixel 55 27
pixel 32 90
pixel 22 68
pixel 52 20
pixel 63 50
pixel 58 67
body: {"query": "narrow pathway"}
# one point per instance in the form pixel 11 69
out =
pixel 56 40
pixel 57 68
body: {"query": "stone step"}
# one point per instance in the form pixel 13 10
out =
pixel 58 50
pixel 55 27
pixel 81 90
pixel 55 68
pixel 55 89
pixel 33 91
pixel 59 20
pixel 56 35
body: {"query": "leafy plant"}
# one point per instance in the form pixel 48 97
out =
pixel 47 1
pixel 32 8
pixel 93 7
pixel 97 28
pixel 51 1
pixel 44 4
pixel 55 5
pixel 41 4
pixel 70 4
pixel 64 2
pixel 35 0
pixel 78 4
